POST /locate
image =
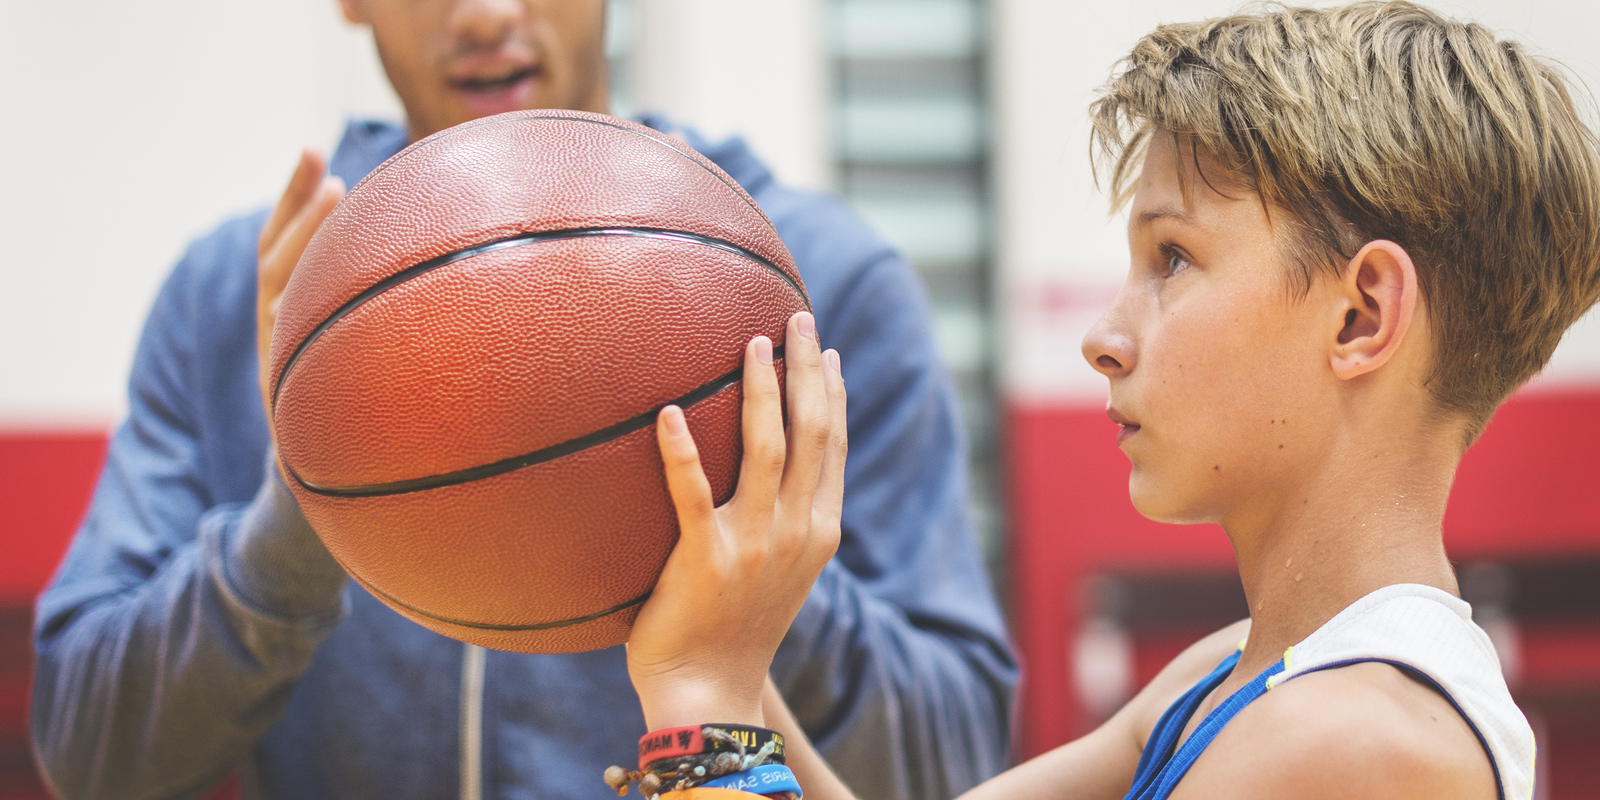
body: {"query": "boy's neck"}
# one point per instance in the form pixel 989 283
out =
pixel 1371 517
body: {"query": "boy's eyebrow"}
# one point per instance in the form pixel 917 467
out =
pixel 1174 212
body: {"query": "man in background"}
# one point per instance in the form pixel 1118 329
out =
pixel 197 623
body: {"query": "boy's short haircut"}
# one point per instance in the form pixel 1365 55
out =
pixel 1390 121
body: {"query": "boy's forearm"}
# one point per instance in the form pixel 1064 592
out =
pixel 913 708
pixel 1097 767
pixel 814 774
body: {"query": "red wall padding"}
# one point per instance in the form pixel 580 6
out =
pixel 45 482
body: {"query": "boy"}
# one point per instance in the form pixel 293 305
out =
pixel 1353 232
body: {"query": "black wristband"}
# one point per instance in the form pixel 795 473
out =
pixel 708 739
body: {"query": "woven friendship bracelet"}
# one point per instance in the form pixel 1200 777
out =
pixel 714 738
pixel 684 772
pixel 687 772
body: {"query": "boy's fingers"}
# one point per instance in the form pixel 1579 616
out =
pixel 686 480
pixel 764 444
pixel 809 421
pixel 830 486
pixel 302 184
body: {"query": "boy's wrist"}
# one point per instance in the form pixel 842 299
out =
pixel 678 703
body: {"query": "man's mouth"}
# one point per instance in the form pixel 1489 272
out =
pixel 495 84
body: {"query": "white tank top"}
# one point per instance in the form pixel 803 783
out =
pixel 1431 633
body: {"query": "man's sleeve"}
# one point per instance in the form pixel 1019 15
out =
pixel 173 631
pixel 899 666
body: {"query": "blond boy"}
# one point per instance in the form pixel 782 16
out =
pixel 1353 233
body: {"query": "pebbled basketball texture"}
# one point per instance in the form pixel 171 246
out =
pixel 470 355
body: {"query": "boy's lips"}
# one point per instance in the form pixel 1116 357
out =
pixel 1127 426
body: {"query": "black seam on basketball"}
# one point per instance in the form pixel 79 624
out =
pixel 539 456
pixel 532 237
pixel 488 626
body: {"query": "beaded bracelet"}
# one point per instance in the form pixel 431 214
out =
pixel 687 772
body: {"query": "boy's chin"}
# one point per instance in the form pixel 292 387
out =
pixel 1159 503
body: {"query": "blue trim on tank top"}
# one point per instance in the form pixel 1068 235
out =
pixel 1160 768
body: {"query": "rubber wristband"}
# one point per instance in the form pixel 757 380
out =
pixel 770 779
pixel 691 741
pixel 669 742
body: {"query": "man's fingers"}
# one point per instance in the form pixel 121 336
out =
pixel 302 184
pixel 686 480
pixel 764 446
pixel 281 254
pixel 808 412
pixel 830 485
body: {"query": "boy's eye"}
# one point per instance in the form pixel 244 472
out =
pixel 1175 260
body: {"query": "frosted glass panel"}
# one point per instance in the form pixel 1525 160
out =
pixel 927 230
pixel 899 130
pixel 961 334
pixel 899 29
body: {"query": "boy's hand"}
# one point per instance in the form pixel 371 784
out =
pixel 306 202
pixel 702 644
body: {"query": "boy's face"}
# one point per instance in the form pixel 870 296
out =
pixel 1219 378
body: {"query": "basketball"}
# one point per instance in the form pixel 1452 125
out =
pixel 470 356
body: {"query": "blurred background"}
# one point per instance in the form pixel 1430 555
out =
pixel 956 127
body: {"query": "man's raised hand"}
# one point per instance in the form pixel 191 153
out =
pixel 306 202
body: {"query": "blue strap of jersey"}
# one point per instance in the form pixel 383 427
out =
pixel 1160 768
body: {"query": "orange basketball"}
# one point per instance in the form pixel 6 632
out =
pixel 470 356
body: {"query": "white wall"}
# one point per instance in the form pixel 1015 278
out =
pixel 130 128
pixel 757 68
pixel 1061 258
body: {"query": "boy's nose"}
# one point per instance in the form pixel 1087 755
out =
pixel 1108 350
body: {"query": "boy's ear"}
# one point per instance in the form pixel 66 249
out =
pixel 1377 296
